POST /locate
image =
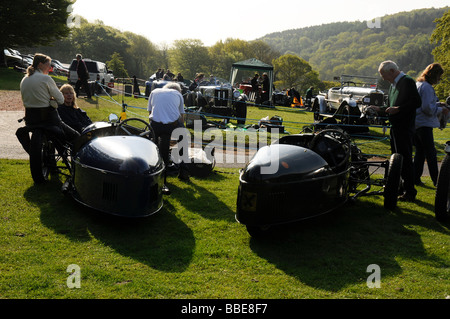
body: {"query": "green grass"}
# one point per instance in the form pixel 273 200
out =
pixel 194 248
pixel 10 79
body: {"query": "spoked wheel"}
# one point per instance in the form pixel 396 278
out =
pixel 442 200
pixel 316 110
pixel 142 128
pixel 42 156
pixel 392 185
pixel 348 118
pixel 333 140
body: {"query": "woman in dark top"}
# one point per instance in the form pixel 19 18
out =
pixel 70 113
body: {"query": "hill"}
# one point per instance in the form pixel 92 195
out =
pixel 358 47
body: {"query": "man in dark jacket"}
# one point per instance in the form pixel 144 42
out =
pixel 403 101
pixel 83 77
pixel 265 87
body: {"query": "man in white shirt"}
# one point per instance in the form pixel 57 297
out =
pixel 166 113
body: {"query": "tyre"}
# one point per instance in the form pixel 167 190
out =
pixel 347 117
pixel 40 156
pixel 392 185
pixel 316 110
pixel 442 200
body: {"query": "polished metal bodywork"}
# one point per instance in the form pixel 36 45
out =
pixel 116 173
pixel 303 184
pixel 306 175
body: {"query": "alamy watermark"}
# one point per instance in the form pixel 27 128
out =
pixel 372 24
pixel 235 148
pixel 73 20
pixel 74 279
pixel 374 280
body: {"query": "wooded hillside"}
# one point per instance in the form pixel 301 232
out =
pixel 355 48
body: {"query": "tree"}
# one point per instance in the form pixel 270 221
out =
pixel 33 22
pixel 442 52
pixel 224 54
pixel 263 51
pixel 97 41
pixel 188 57
pixel 293 71
pixel 143 56
pixel 116 64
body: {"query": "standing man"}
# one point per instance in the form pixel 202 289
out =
pixel 166 113
pixel 403 101
pixel 265 88
pixel 83 77
pixel 309 96
pixel 255 87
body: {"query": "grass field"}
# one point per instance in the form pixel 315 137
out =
pixel 194 248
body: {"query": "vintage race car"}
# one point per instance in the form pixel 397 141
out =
pixel 113 167
pixel 306 175
pixel 217 98
pixel 348 104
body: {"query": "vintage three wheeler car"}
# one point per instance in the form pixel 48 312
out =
pixel 113 167
pixel 306 175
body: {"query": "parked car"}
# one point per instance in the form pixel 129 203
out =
pixel 348 104
pixel 306 175
pixel 113 167
pixel 59 68
pixel 217 98
pixel 98 71
pixel 13 58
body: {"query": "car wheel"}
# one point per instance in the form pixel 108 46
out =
pixel 40 153
pixel 316 110
pixel 442 200
pixel 392 181
pixel 349 115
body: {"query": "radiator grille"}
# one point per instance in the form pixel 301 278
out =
pixel 110 191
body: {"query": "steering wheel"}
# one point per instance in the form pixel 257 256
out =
pixel 147 131
pixel 333 140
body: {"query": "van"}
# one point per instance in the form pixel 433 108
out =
pixel 98 71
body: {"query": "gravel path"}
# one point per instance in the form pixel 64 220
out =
pixel 11 110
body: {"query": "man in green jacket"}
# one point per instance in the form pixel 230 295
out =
pixel 403 101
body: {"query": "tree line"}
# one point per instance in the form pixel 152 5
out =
pixel 305 57
pixel 358 48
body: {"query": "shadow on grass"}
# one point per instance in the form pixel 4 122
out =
pixel 160 241
pixel 198 199
pixel 335 250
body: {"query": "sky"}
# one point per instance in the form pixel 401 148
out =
pixel 163 22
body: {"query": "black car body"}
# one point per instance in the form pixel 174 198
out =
pixel 309 175
pixel 112 167
pixel 116 170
